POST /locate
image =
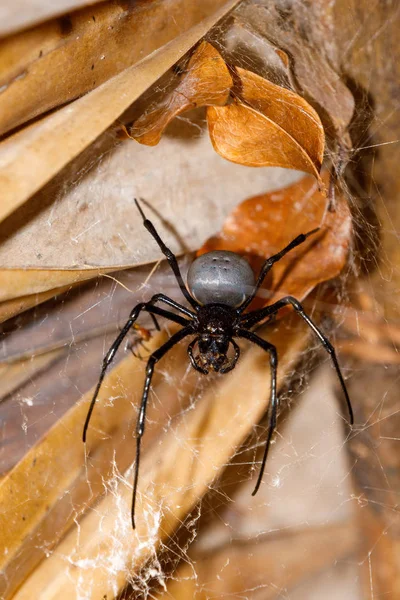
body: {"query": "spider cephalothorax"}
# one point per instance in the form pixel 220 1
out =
pixel 216 328
pixel 220 286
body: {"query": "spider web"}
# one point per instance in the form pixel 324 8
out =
pixel 317 481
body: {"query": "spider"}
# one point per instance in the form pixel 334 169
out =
pixel 220 286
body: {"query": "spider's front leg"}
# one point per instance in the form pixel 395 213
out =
pixel 154 358
pixel 170 256
pixel 148 307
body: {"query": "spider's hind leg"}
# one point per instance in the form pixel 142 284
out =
pixel 274 403
pixel 250 319
pixel 148 307
pixel 140 426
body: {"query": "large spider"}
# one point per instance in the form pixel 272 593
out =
pixel 220 286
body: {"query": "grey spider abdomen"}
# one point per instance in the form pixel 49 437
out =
pixel 222 277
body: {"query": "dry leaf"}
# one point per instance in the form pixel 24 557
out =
pixel 268 563
pixel 370 336
pixel 81 122
pixel 375 467
pixel 205 81
pixel 267 125
pixel 19 282
pixel 56 465
pixel 261 226
pixel 376 354
pixel 15 306
pixel 88 47
pixel 22 14
pixel 14 375
pixel 315 66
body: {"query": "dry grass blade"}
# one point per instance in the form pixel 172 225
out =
pixel 15 306
pixel 266 565
pixel 16 283
pixel 22 289
pixel 57 465
pixel 16 374
pixel 24 13
pixel 205 81
pixel 267 125
pixel 171 481
pixel 80 123
pixel 88 47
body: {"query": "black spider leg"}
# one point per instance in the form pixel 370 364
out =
pixel 154 358
pixel 252 318
pixel 147 306
pixel 155 322
pixel 173 263
pixel 274 403
pixel 170 302
pixel 173 303
pixel 271 261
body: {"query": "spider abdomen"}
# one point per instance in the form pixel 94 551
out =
pixel 221 277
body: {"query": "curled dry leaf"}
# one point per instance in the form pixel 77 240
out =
pixel 206 81
pixel 261 226
pixel 267 125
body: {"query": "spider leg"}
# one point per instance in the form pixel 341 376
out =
pixel 155 322
pixel 116 344
pixel 252 318
pixel 274 403
pixel 170 302
pixel 154 358
pixel 173 263
pixel 271 261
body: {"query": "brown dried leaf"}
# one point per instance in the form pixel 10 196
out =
pixel 20 282
pixel 206 81
pixel 267 125
pixel 263 225
pixel 22 14
pixel 87 47
pixel 15 306
pixel 81 122
pixel 315 65
pixel 238 567
pixel 21 289
pixel 375 467
pixel 44 511
pixel 372 337
pixel 376 354
pixel 17 373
